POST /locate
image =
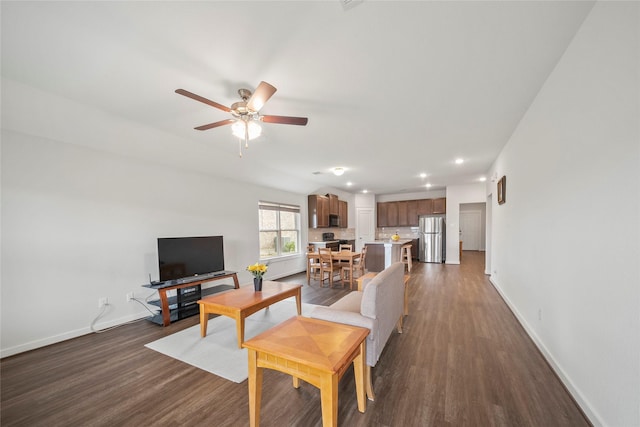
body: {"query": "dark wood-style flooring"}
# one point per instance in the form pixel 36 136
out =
pixel 463 359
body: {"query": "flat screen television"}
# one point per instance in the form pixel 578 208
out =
pixel 180 257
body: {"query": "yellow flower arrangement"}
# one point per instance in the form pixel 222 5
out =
pixel 258 270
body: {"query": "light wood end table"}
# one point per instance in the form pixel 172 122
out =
pixel 316 351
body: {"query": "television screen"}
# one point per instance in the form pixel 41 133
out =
pixel 180 257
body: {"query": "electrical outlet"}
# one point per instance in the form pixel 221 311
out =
pixel 129 296
pixel 102 302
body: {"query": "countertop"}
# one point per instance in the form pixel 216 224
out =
pixel 389 242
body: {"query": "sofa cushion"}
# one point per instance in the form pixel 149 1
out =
pixel 350 302
pixel 347 317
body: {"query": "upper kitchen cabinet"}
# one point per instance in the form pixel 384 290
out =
pixel 425 207
pixel 321 214
pixel 412 213
pixel 392 214
pixel 440 206
pixel 406 213
pixel 318 211
pixel 334 208
pixel 403 219
pixel 383 219
pixel 343 213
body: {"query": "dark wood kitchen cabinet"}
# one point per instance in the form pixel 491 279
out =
pixel 403 219
pixel 412 213
pixel 425 207
pixel 318 211
pixel 440 206
pixel 334 205
pixel 406 213
pixel 383 219
pixel 343 213
pixel 392 214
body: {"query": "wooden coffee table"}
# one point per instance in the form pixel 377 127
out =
pixel 313 350
pixel 243 302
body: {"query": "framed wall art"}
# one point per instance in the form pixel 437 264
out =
pixel 502 190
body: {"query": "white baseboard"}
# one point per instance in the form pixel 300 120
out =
pixel 32 345
pixel 586 408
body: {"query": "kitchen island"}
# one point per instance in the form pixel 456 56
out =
pixel 382 253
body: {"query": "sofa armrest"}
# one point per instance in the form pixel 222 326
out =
pixel 346 317
pixel 365 282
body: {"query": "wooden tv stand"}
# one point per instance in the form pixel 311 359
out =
pixel 189 291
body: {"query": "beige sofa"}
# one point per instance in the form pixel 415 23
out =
pixel 378 307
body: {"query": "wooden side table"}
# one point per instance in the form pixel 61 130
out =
pixel 313 350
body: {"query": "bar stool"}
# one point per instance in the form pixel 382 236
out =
pixel 405 255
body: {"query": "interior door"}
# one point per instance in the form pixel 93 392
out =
pixel 365 227
pixel 470 228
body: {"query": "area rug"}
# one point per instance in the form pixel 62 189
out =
pixel 218 352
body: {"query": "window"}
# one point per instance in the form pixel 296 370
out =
pixel 279 229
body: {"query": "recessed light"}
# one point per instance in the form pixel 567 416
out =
pixel 483 178
pixel 459 161
pixel 365 191
pixel 349 184
pixel 428 185
pixel 423 175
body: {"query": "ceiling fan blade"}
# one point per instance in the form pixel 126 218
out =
pixel 216 124
pixel 260 96
pixel 284 120
pixel 203 100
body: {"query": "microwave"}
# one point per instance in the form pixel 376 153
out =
pixel 334 221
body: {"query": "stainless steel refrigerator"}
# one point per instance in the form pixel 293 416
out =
pixel 432 239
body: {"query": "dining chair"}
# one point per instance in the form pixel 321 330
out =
pixel 313 264
pixel 345 247
pixel 328 265
pixel 358 266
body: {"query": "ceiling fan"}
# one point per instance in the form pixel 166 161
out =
pixel 246 113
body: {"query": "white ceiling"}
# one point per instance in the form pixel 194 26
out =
pixel 391 89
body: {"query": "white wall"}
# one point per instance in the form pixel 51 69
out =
pixel 566 242
pixel 80 224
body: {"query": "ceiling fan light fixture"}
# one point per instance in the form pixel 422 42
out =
pixel 244 124
pixel 238 129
